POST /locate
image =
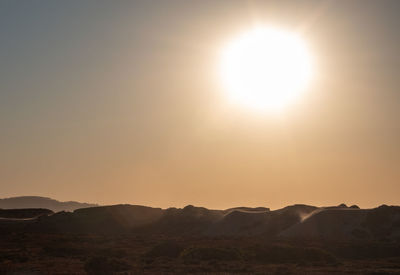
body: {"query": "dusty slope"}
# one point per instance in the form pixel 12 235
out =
pixel 349 224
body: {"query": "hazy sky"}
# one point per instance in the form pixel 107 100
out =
pixel 120 102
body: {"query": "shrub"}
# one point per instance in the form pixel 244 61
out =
pixel 292 254
pixel 211 253
pixel 63 250
pixel 105 266
pixel 170 249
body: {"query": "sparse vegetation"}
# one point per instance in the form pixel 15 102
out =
pixel 211 254
pixel 170 249
pixel 121 254
pixel 105 266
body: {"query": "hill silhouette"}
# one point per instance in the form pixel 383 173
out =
pixel 41 202
pixel 29 213
pixel 382 223
pixel 119 239
pixel 302 222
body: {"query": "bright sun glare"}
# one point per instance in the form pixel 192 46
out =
pixel 265 69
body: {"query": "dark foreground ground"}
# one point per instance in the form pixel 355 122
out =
pixel 37 253
pixel 129 239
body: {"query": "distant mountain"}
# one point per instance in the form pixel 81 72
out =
pixel 41 202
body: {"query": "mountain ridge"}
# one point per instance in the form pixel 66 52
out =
pixel 20 202
pixel 297 221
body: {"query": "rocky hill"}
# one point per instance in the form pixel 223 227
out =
pixel 301 222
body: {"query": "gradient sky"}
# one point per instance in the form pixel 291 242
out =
pixel 120 102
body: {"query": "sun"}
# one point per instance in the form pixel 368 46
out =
pixel 265 69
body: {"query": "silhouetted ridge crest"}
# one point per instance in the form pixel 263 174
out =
pixel 292 222
pixel 41 202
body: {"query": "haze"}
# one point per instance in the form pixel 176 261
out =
pixel 120 102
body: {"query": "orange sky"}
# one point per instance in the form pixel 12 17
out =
pixel 121 103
